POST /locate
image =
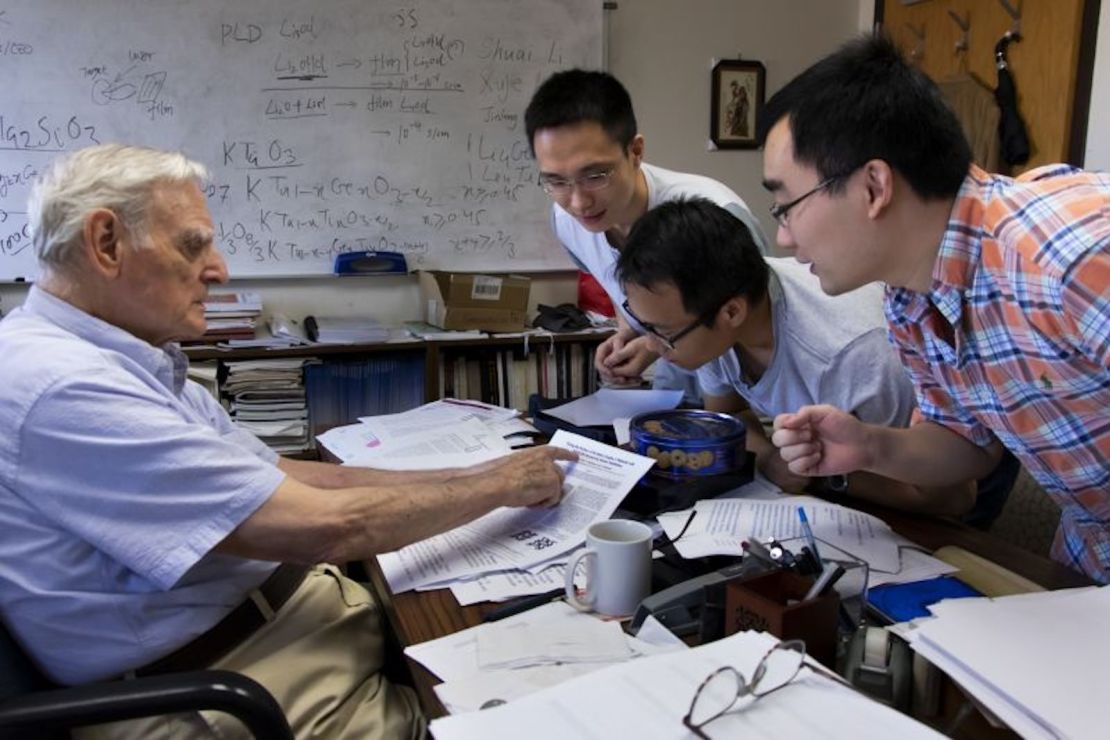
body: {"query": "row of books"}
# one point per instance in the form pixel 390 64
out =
pixel 231 316
pixel 508 377
pixel 339 392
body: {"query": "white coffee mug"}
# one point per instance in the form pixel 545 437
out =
pixel 618 569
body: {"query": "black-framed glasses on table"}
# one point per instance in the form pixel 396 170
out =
pixel 725 687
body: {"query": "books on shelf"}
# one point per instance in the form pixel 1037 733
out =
pixel 230 316
pixel 508 377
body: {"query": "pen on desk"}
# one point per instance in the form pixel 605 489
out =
pixel 829 576
pixel 522 605
pixel 809 536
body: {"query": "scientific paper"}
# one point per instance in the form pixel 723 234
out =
pixel 722 524
pixel 510 538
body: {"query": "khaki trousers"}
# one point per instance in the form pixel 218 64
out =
pixel 321 658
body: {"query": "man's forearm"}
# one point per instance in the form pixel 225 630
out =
pixel 328 475
pixel 357 523
pixel 954 500
pixel 927 454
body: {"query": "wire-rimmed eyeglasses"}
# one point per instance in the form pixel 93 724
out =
pixel 722 688
pixel 560 187
pixel 672 340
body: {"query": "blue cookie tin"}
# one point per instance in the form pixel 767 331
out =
pixel 685 443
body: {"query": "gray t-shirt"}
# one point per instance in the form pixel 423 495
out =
pixel 828 349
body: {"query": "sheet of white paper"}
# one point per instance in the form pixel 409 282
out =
pixel 916 566
pixel 350 441
pixel 647 698
pixel 516 645
pixel 455 656
pixel 478 689
pixel 654 633
pixel 518 538
pixel 1009 652
pixel 507 584
pixel 620 429
pixel 456 444
pixel 722 524
pixel 599 409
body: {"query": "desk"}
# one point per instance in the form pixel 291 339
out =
pixel 420 616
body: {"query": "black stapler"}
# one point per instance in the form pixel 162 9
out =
pixel 696 606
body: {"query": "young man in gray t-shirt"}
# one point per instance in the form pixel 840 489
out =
pixel 766 340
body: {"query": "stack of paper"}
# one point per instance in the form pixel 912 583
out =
pixel 515 645
pixel 523 538
pixel 468 686
pixel 1038 661
pixel 448 433
pixel 267 398
pixel 345 329
pixel 647 699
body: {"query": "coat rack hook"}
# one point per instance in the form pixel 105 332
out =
pixel 1014 13
pixel 919 45
pixel 964 22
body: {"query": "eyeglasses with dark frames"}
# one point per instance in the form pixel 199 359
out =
pixel 724 687
pixel 561 187
pixel 780 211
pixel 671 341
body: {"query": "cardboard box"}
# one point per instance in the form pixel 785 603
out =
pixel 462 300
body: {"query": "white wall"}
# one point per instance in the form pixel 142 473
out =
pixel 1098 123
pixel 661 49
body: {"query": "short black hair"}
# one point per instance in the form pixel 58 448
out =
pixel 577 95
pixel 864 102
pixel 705 251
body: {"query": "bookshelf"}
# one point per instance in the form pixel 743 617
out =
pixel 355 380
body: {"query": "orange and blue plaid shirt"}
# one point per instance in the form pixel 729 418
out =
pixel 1013 339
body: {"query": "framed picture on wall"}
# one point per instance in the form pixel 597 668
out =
pixel 737 97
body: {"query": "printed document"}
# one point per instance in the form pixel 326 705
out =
pixel 647 699
pixel 510 538
pixel 722 524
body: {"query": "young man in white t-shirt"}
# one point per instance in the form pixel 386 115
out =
pixel 582 131
pixel 765 339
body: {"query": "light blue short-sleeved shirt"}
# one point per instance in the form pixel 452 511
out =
pixel 117 478
pixel 828 349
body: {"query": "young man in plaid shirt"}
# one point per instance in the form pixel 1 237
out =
pixel 998 294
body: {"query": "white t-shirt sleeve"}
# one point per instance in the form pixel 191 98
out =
pixel 867 379
pixel 713 379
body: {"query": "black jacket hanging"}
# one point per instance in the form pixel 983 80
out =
pixel 1011 129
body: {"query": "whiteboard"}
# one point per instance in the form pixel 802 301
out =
pixel 328 127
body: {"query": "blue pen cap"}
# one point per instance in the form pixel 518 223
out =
pixel 689 442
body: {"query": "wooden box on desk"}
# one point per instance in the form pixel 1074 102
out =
pixel 461 300
pixel 772 602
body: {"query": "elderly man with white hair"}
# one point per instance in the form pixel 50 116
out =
pixel 144 532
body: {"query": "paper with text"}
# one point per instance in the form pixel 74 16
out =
pixel 520 537
pixel 721 525
pixel 647 698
